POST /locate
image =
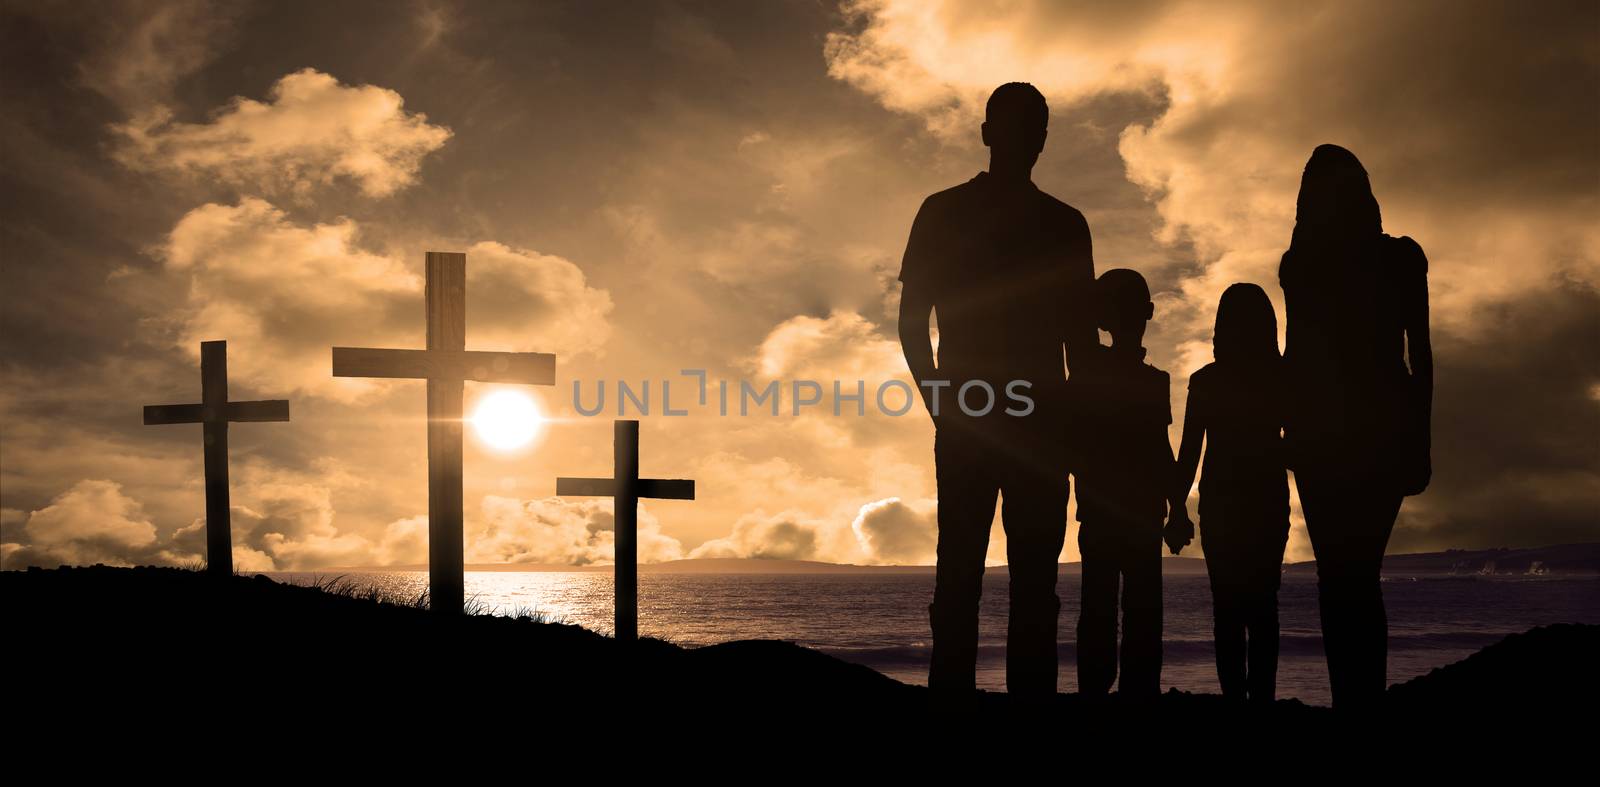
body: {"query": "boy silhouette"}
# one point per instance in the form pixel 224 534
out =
pixel 1124 482
pixel 1008 270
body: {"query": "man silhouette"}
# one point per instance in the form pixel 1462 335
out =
pixel 1008 270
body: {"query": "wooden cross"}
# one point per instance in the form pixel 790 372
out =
pixel 215 411
pixel 445 364
pixel 627 488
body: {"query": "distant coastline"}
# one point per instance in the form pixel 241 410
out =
pixel 1565 560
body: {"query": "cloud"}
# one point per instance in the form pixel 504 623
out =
pixel 283 519
pixel 311 131
pixel 1250 89
pixel 842 346
pixel 147 48
pixel 891 531
pixel 1524 460
pixel 883 532
pixel 93 522
pixel 283 293
pixel 563 532
pixel 404 543
pixel 527 301
pixel 784 536
pixel 940 59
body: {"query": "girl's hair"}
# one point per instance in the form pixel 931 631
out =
pixel 1247 326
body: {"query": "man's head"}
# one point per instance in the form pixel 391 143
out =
pixel 1015 123
pixel 1123 305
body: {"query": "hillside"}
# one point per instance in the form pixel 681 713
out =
pixel 100 648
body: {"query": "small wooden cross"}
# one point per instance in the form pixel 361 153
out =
pixel 446 364
pixel 627 488
pixel 215 411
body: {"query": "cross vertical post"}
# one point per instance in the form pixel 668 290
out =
pixel 626 463
pixel 214 401
pixel 446 295
pixel 446 364
pixel 625 487
pixel 214 412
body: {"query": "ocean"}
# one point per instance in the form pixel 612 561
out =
pixel 880 619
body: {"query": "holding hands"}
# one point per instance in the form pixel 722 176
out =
pixel 1179 531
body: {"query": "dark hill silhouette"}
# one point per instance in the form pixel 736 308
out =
pixel 1512 675
pixel 109 651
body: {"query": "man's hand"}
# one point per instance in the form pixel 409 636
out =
pixel 1179 531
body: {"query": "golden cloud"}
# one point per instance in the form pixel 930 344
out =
pixel 311 131
pixel 283 293
pixel 93 522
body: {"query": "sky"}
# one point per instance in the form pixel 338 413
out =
pixel 644 188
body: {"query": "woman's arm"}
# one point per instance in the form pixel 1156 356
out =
pixel 1189 450
pixel 1419 346
pixel 1419 356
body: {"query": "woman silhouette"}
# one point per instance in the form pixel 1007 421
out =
pixel 1356 426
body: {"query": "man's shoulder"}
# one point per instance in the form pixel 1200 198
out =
pixel 1052 203
pixel 959 193
pixel 1060 212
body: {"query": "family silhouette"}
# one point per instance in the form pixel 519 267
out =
pixel 1007 272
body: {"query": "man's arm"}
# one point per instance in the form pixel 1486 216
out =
pixel 916 304
pixel 1080 330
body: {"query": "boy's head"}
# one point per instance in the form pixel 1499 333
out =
pixel 1123 305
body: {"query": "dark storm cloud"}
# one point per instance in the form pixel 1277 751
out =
pixel 1517 431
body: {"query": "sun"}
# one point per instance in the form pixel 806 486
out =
pixel 507 420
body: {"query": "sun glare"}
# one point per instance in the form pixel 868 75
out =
pixel 507 420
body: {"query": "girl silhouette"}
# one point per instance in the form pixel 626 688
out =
pixel 1235 412
pixel 1356 303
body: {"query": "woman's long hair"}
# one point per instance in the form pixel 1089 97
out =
pixel 1246 332
pixel 1335 212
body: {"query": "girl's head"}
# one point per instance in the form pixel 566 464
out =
pixel 1247 326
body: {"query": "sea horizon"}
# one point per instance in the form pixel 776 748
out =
pixel 1574 559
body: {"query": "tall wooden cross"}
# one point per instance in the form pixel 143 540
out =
pixel 215 411
pixel 626 487
pixel 445 364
